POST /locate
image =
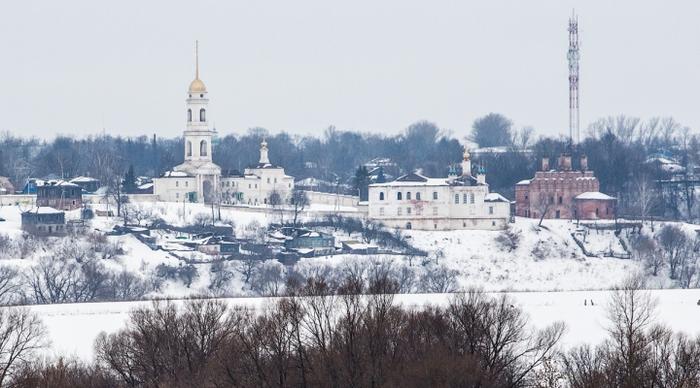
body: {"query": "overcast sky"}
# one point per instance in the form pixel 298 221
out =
pixel 76 67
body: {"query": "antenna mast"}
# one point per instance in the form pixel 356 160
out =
pixel 573 56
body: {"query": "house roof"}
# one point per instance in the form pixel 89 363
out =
pixel 83 179
pixel 495 197
pixel 595 195
pixel 175 174
pixel 44 210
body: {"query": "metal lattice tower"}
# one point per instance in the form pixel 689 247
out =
pixel 573 56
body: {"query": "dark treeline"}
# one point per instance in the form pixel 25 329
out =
pixel 618 149
pixel 353 334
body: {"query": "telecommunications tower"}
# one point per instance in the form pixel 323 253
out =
pixel 573 56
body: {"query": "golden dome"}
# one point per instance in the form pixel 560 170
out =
pixel 197 86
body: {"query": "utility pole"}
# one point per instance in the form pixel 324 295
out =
pixel 573 56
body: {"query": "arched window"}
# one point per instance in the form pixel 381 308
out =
pixel 399 196
pixel 203 148
pixel 408 196
pixel 189 115
pixel 408 225
pixel 381 196
pixel 189 148
pixel 418 196
pixel 202 115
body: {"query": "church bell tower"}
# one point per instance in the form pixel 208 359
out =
pixel 198 136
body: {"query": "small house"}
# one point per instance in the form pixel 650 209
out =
pixel 88 184
pixel 44 220
pixel 319 243
pixel 59 195
pixel 360 248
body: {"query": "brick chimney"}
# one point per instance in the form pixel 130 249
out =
pixel 545 164
pixel 584 163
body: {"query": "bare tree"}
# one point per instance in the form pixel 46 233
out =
pixel 439 279
pixel 645 249
pixel 299 201
pixel 268 278
pixel 675 246
pixel 21 335
pixel 9 287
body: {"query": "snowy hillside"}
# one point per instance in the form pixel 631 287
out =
pixel 525 258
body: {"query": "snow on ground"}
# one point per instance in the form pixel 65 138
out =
pixel 72 328
pixel 544 260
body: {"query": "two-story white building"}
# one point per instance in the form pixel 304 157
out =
pixel 257 183
pixel 414 201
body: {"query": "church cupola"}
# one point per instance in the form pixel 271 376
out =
pixel 466 163
pixel 264 159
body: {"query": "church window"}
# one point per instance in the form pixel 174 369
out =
pixel 399 196
pixel 408 210
pixel 177 195
pixel 275 180
pixel 203 148
pixel 381 196
pixel 561 199
pixel 381 211
pixel 201 95
pixel 256 185
pixel 464 198
pixel 189 115
pixel 268 180
pixel 408 196
pixel 456 199
pixel 189 148
pixel 399 211
pixel 177 183
pixel 418 196
pixel 490 209
pixel 435 197
pixel 202 115
pixel 186 183
pixel 471 198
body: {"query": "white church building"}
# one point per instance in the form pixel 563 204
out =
pixel 199 179
pixel 414 201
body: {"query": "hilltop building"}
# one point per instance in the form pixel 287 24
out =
pixel 414 201
pixel 257 183
pixel 199 179
pixel 563 193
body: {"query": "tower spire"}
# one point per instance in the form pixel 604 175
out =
pixel 573 56
pixel 196 59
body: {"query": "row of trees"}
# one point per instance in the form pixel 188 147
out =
pixel 357 336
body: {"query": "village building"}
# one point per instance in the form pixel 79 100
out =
pixel 88 184
pixel 199 179
pixel 563 192
pixel 60 195
pixel 414 201
pixel 257 184
pixel 44 221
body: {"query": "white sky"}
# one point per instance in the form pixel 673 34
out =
pixel 74 67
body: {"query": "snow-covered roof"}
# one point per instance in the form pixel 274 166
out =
pixel 145 186
pixel 59 182
pixel 495 197
pixel 44 210
pixel 175 174
pixel 83 179
pixel 524 182
pixel 413 179
pixel 595 195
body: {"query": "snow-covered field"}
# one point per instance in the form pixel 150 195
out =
pixel 73 328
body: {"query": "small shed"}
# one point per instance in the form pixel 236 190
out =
pixel 357 247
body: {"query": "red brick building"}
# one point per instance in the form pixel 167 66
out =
pixel 559 193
